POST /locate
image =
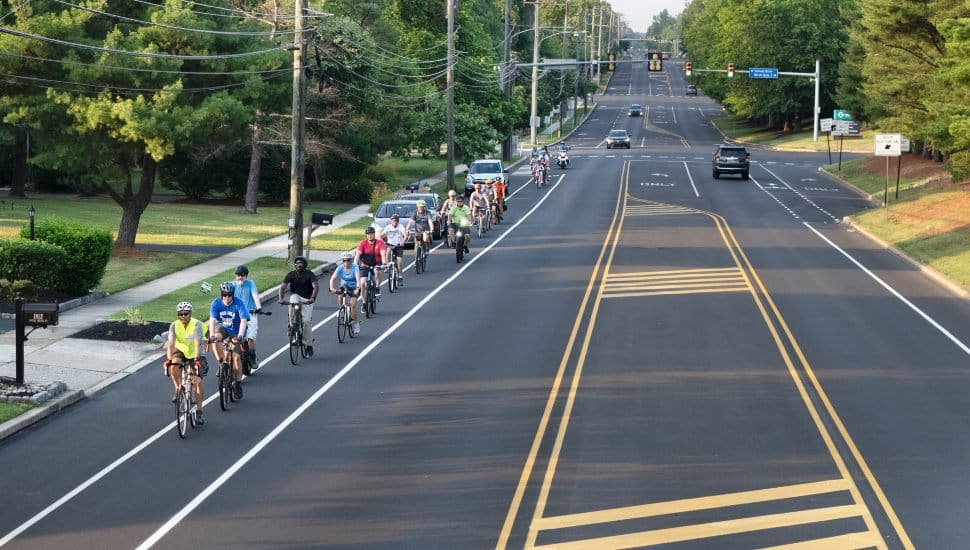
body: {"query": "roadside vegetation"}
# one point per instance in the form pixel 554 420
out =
pixel 742 129
pixel 11 410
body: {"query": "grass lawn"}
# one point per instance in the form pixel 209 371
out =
pixel 740 129
pixel 11 410
pixel 163 223
pixel 126 272
pixel 265 272
pixel 342 238
pixel 399 172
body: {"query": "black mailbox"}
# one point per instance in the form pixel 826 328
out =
pixel 412 187
pixel 317 218
pixel 40 315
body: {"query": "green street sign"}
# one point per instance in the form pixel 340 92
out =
pixel 841 114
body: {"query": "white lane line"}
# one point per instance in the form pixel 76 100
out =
pixel 687 169
pixel 236 466
pixel 643 141
pixel 770 194
pixel 799 193
pixel 674 113
pixel 141 446
pixel 893 291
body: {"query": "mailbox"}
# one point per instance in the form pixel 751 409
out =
pixel 317 218
pixel 412 187
pixel 40 315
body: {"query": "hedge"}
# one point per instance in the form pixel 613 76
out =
pixel 43 264
pixel 88 251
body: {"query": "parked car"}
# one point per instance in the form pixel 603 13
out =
pixel 433 202
pixel 404 209
pixel 481 170
pixel 618 138
pixel 731 159
pixel 691 90
pixel 635 110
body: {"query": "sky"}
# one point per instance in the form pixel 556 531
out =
pixel 639 13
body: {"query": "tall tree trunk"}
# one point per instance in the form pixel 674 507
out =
pixel 255 159
pixel 18 182
pixel 133 205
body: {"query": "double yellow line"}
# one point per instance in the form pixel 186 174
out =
pixel 774 322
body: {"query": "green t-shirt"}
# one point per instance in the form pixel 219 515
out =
pixel 461 215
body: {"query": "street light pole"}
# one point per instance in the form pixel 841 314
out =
pixel 450 83
pixel 507 74
pixel 297 154
pixel 533 123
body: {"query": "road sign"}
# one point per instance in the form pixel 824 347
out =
pixel 534 122
pixel 825 125
pixel 841 127
pixel 762 73
pixel 889 145
pixel 904 145
pixel 841 114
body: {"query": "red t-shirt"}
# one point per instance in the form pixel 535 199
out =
pixel 371 254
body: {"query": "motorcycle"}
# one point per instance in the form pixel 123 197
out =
pixel 562 160
pixel 459 244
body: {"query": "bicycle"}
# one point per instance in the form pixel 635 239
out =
pixel 250 363
pixel 420 255
pixel 480 222
pixel 295 333
pixel 225 375
pixel 345 321
pixel 460 242
pixel 185 399
pixel 392 274
pixel 370 305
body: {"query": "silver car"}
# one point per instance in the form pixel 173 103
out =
pixel 618 138
pixel 481 170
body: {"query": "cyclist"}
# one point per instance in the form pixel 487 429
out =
pixel 368 256
pixel 489 191
pixel 500 190
pixel 461 216
pixel 445 209
pixel 395 235
pixel 228 317
pixel 247 292
pixel 184 347
pixel 421 226
pixel 347 273
pixel 303 287
pixel 535 152
pixel 478 201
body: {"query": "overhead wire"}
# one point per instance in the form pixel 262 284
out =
pixel 137 91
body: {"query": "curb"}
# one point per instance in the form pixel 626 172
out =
pixel 940 278
pixel 71 397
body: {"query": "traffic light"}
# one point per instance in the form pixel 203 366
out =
pixel 730 70
pixel 688 67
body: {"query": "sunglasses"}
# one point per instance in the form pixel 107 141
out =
pixel 224 295
pixel 346 259
pixel 185 313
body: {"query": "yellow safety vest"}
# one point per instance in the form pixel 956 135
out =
pixel 188 339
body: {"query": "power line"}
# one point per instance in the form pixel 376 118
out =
pixel 137 69
pixel 136 91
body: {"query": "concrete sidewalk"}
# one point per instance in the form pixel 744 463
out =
pixel 86 366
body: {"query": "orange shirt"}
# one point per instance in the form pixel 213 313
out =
pixel 500 190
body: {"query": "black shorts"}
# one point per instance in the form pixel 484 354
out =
pixel 398 251
pixel 179 359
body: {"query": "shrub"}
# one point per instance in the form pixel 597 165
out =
pixel 41 263
pixel 88 251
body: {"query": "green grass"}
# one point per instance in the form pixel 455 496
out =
pixel 740 129
pixel 12 410
pixel 856 172
pixel 124 273
pixel 342 238
pixel 163 223
pixel 265 272
pixel 398 172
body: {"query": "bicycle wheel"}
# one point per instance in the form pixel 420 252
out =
pixel 371 289
pixel 342 322
pixel 424 260
pixel 295 339
pixel 247 363
pixel 459 251
pixel 225 387
pixel 418 253
pixel 372 298
pixel 392 276
pixel 182 412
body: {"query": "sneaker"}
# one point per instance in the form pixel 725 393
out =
pixel 309 351
pixel 237 390
pixel 199 419
pixel 356 329
pixel 175 396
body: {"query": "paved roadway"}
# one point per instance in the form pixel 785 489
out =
pixel 641 356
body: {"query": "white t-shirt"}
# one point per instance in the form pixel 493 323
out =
pixel 395 235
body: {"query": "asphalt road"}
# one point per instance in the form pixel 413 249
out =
pixel 641 355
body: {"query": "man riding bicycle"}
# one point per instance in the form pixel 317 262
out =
pixel 347 273
pixel 184 347
pixel 479 203
pixel 247 292
pixel 368 257
pixel 303 286
pixel 446 210
pixel 500 191
pixel 421 226
pixel 228 317
pixel 461 216
pixel 395 234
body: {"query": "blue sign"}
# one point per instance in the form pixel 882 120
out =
pixel 762 73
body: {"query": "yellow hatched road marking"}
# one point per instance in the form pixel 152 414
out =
pixel 672 273
pixel 715 529
pixel 673 283
pixel 693 504
pixel 686 281
pixel 655 210
pixel 676 292
pixel 851 540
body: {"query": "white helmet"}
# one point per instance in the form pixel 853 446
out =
pixel 183 306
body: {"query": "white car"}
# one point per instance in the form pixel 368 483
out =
pixel 481 170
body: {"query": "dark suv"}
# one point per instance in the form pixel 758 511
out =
pixel 731 159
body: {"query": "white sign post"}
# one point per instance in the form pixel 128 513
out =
pixel 888 145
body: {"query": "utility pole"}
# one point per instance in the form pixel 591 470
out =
pixel 450 83
pixel 599 44
pixel 562 74
pixel 508 75
pixel 298 135
pixel 534 115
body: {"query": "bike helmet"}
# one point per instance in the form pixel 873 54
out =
pixel 183 306
pixel 228 288
pixel 395 217
pixel 420 203
pixel 346 256
pixel 300 259
pixel 242 270
pixel 370 230
pixel 451 192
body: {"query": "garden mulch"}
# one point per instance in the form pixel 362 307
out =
pixel 123 331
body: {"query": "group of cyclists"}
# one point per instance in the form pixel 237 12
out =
pixel 539 161
pixel 233 315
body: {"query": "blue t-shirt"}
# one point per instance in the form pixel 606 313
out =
pixel 245 291
pixel 348 278
pixel 229 317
